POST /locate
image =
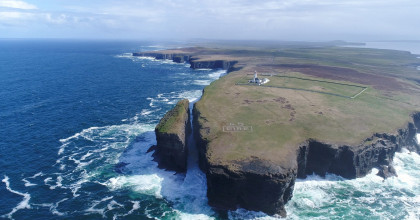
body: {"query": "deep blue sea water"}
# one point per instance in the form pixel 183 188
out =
pixel 77 119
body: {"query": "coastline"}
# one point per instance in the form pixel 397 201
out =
pixel 379 151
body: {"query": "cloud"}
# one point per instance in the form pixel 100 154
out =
pixel 17 4
pixel 234 19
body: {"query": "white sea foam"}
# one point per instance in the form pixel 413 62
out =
pixel 173 97
pixel 107 145
pixel 84 178
pixel 146 58
pixel 244 214
pixel 114 204
pixel 80 134
pixel 152 100
pixel 202 82
pixel 124 55
pixel 167 61
pixel 418 138
pixel 145 112
pixel 156 46
pixel 37 175
pixel 24 204
pixel 372 194
pixel 217 74
pixel 57 183
pixel 47 180
pixel 191 95
pixel 27 183
pixel 53 207
pixel 136 205
pixel 145 184
pixel 188 216
pixel 100 211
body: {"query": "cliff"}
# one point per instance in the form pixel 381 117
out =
pixel 261 185
pixel 172 134
pixel 356 161
pixel 293 127
pixel 252 184
pixel 212 64
pixel 195 61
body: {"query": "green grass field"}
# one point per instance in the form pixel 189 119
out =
pixel 336 88
pixel 294 107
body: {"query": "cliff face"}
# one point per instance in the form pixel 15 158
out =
pixel 172 134
pixel 263 186
pixel 253 184
pixel 212 64
pixel 256 185
pixel 188 58
pixel 356 161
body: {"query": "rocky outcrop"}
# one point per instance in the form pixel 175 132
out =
pixel 172 134
pixel 259 185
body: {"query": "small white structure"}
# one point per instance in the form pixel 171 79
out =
pixel 257 80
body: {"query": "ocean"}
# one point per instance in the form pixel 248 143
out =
pixel 77 119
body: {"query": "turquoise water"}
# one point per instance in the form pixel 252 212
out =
pixel 76 121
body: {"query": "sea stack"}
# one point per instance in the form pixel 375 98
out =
pixel 172 134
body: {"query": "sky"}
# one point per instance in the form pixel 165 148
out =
pixel 291 20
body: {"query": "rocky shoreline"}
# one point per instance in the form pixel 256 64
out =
pixel 262 185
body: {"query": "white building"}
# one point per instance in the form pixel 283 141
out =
pixel 257 80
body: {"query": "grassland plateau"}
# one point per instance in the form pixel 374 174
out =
pixel 325 109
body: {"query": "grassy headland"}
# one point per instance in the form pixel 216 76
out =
pixel 283 118
pixel 336 95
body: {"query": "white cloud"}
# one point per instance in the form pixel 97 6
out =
pixel 16 4
pixel 235 19
pixel 14 18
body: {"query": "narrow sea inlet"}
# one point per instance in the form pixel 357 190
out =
pixel 77 119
